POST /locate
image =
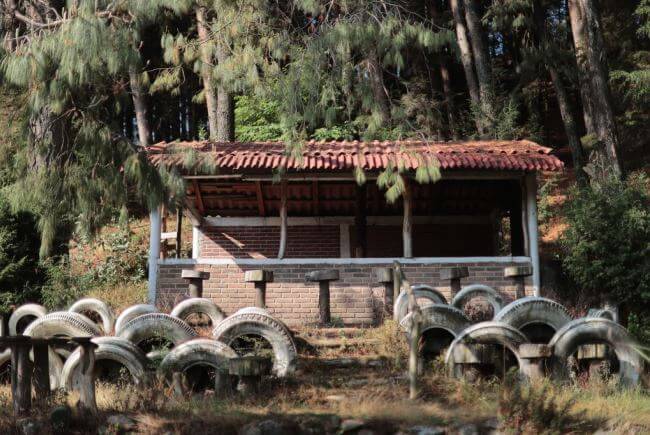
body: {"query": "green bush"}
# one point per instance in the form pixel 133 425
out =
pixel 607 243
pixel 256 119
pixel 20 274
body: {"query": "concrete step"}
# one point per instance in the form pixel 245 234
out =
pixel 330 333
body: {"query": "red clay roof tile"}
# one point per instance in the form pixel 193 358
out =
pixel 518 155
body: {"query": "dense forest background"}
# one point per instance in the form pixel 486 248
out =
pixel 86 85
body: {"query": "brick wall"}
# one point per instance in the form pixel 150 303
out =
pixel 354 299
pixel 264 241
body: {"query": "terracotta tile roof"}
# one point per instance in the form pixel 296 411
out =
pixel 519 155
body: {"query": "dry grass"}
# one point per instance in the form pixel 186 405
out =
pixel 317 393
pixel 318 396
pixel 121 296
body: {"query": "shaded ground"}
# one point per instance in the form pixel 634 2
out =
pixel 325 396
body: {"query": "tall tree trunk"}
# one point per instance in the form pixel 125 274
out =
pixel 481 60
pixel 206 72
pixel 566 111
pixel 466 58
pixel 225 104
pixel 445 77
pixel 578 23
pixel 570 125
pixel 449 98
pixel 603 108
pixel 8 24
pixel 376 75
pixel 140 107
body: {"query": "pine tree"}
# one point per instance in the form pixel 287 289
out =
pixel 76 168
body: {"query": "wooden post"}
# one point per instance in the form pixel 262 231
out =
pixel 283 219
pixel 41 380
pixel 360 222
pixel 517 232
pixel 415 332
pixel 87 402
pixel 21 374
pixel 397 280
pixel 407 232
pixel 323 277
pixel 179 223
pixel 259 278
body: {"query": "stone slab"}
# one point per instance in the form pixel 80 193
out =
pixel 517 271
pixel 454 273
pixel 382 275
pixel 322 275
pixel 532 350
pixel 194 274
pixel 592 351
pixel 258 275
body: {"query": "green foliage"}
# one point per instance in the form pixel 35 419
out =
pixel 607 242
pixel 335 73
pixel 345 131
pixel 20 273
pixel 75 168
pixel 256 119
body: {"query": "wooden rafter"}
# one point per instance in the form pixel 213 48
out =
pixel 199 198
pixel 193 214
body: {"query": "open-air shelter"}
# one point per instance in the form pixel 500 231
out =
pixel 260 206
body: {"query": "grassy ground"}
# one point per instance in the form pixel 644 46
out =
pixel 320 396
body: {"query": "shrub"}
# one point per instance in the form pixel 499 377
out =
pixel 391 343
pixel 256 119
pixel 534 408
pixel 607 243
pixel 20 274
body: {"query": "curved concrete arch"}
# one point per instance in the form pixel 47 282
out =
pixel 534 310
pixel 438 316
pixel 478 290
pixel 488 333
pixel 421 291
pixel 593 329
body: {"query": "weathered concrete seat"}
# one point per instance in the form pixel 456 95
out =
pixel 249 370
pixel 532 359
pixel 259 277
pixel 518 275
pixel 454 275
pixel 195 280
pixel 323 278
pixel 384 277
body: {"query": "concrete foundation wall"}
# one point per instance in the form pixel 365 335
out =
pixel 355 299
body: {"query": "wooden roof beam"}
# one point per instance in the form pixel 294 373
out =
pixel 197 195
